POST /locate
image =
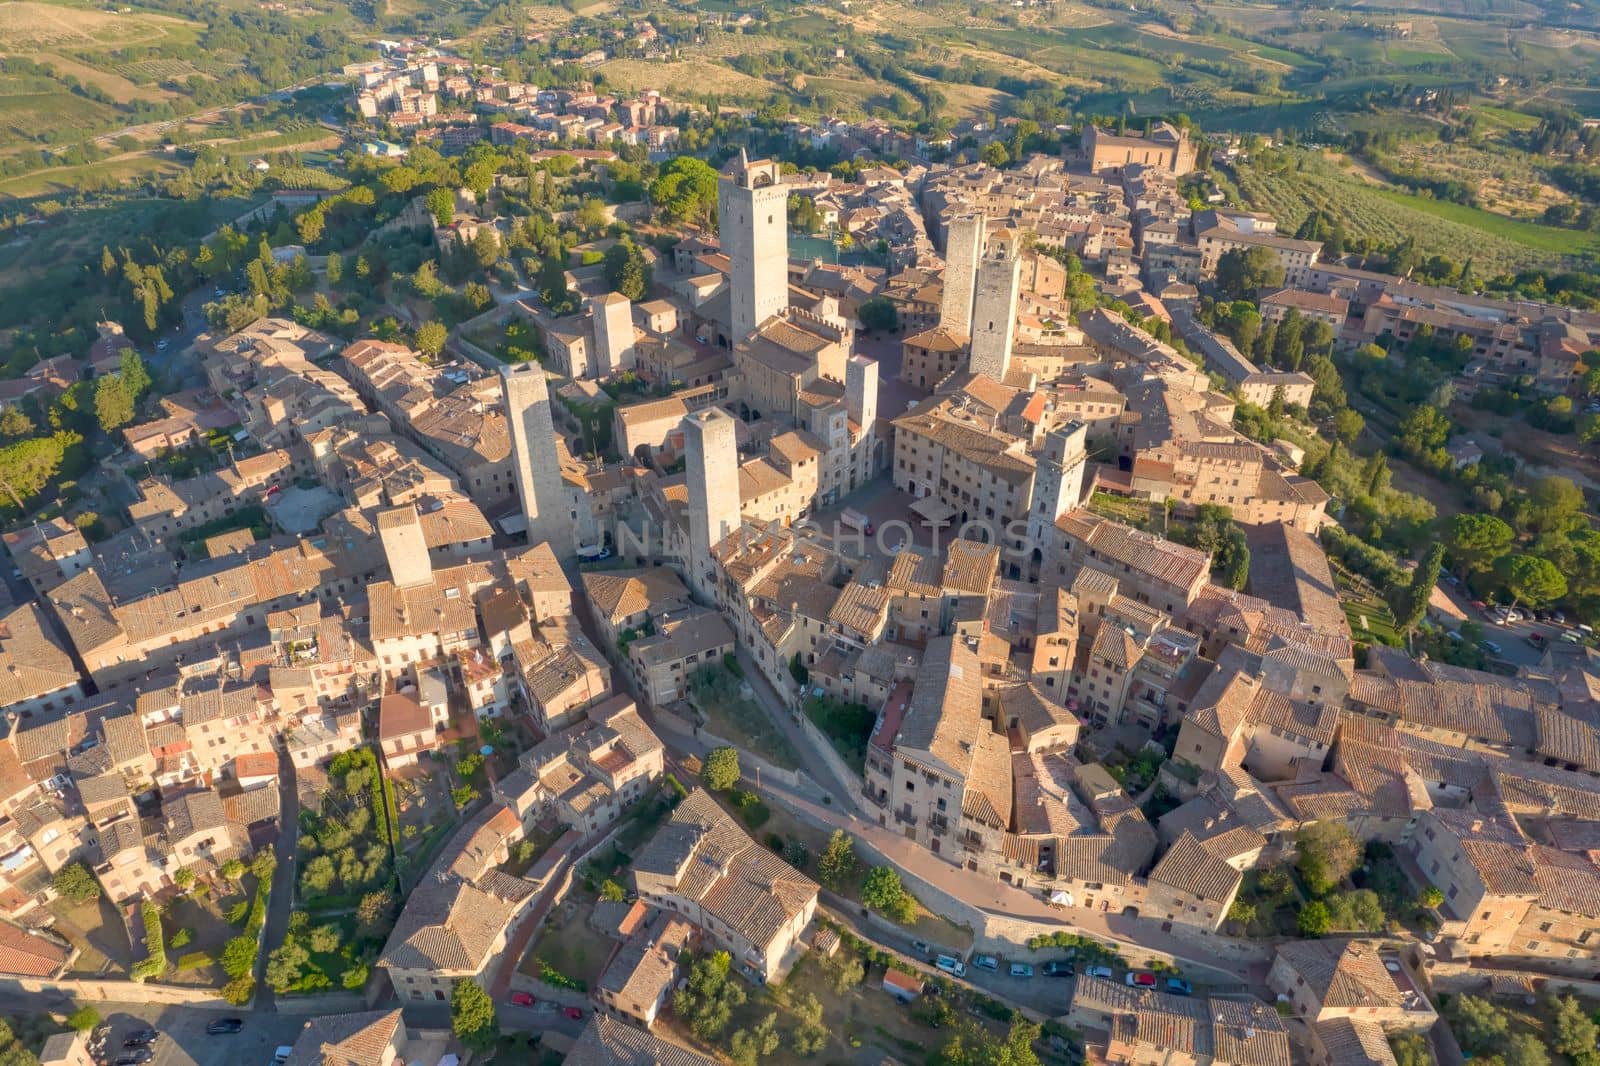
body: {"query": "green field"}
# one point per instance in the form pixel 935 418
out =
pixel 38 109
pixel 1552 239
pixel 107 172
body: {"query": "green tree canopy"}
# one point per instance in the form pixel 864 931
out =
pixel 721 769
pixel 838 864
pixel 431 337
pixel 686 191
pixel 1329 853
pixel 1533 581
pixel 1476 541
pixel 76 883
pixel 472 1016
pixel 1242 273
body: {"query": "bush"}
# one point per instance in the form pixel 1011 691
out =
pixel 556 979
pixel 239 990
pixel 154 964
pixel 194 960
pixel 83 1019
pixel 754 812
pixel 239 956
pixel 182 938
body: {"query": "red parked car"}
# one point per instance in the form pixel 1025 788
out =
pixel 522 999
pixel 575 1013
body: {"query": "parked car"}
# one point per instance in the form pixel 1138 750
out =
pixel 1141 979
pixel 1558 617
pixel 986 962
pixel 1537 639
pixel 1058 969
pixel 142 1036
pixel 1021 969
pixel 224 1026
pixel 1489 646
pixel 921 948
pixel 135 1058
pixel 1177 986
pixel 950 965
pixel 521 999
pixel 1100 971
pixel 575 1013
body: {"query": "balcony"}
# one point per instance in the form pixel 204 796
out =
pixel 905 817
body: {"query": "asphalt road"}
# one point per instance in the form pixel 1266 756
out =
pixel 184 1041
pixel 283 878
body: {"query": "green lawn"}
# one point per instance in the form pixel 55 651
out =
pixel 1371 621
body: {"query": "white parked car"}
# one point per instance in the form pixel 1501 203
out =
pixel 1021 969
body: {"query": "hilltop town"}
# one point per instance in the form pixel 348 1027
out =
pixel 592 583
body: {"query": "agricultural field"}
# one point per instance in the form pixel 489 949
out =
pixel 27 27
pixel 693 77
pixel 32 108
pixel 107 173
pixel 1494 242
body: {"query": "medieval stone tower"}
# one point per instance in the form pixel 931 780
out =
pixel 404 546
pixel 994 308
pixel 613 333
pixel 963 245
pixel 1057 479
pixel 752 219
pixel 537 466
pixel 711 468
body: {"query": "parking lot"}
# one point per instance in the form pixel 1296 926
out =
pixel 184 1041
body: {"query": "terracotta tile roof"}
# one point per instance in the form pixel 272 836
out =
pixel 32 663
pixel 1190 868
pixel 1349 1042
pixel 360 1039
pixel 30 954
pixel 608 1042
pixel 1343 975
pixel 740 884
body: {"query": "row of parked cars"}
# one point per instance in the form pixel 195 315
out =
pixel 1063 968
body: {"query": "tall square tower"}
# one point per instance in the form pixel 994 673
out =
pixel 994 308
pixel 963 245
pixel 613 333
pixel 711 469
pixel 535 460
pixel 753 222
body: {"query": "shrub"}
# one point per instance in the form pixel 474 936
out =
pixel 154 964
pixel 182 938
pixel 556 979
pixel 83 1019
pixel 194 960
pixel 239 990
pixel 239 956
